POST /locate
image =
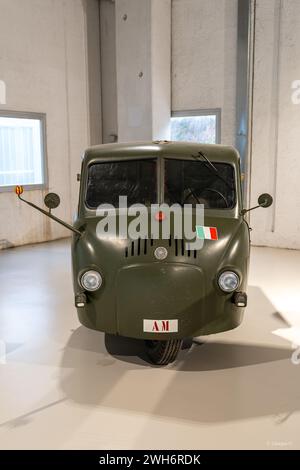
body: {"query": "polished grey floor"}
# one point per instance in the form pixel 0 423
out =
pixel 64 386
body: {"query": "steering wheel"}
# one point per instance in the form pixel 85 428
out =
pixel 192 193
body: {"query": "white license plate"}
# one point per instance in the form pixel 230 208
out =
pixel 160 326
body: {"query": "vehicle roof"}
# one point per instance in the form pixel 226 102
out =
pixel 158 149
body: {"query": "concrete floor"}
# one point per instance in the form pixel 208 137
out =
pixel 66 387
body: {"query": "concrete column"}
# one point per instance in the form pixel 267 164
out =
pixel 92 20
pixel 143 63
pixel 108 71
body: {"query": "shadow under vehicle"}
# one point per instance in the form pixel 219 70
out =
pixel 161 289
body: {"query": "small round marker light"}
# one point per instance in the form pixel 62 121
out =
pixel 160 216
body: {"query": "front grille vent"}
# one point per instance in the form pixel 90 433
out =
pixel 142 246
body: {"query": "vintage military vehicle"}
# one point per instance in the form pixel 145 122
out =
pixel 160 288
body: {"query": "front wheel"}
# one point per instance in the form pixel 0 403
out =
pixel 163 352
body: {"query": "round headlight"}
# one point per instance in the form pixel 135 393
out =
pixel 228 281
pixel 91 280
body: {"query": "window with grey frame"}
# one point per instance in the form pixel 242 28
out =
pixel 198 125
pixel 22 150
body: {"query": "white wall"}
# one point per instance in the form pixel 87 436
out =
pixel 43 63
pixel 275 165
pixel 204 48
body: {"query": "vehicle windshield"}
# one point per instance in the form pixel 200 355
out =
pixel 194 182
pixel 186 182
pixel 136 179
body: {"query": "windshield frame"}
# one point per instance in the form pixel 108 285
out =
pixel 85 212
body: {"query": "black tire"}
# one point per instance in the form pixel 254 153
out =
pixel 163 352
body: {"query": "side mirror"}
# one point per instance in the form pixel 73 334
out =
pixel 264 200
pixel 52 200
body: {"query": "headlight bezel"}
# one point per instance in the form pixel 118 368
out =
pixel 92 271
pixel 220 281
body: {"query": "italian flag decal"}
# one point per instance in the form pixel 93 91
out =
pixel 206 233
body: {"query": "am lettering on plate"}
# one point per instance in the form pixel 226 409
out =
pixel 160 326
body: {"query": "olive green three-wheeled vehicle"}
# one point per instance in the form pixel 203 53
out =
pixel 160 289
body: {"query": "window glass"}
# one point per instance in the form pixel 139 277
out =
pixel 21 151
pixel 202 128
pixel 195 182
pixel 135 179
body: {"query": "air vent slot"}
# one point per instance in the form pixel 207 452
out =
pixel 176 247
pixel 139 247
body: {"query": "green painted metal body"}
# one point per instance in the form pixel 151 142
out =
pixel 180 287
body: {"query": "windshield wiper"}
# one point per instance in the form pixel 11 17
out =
pixel 212 167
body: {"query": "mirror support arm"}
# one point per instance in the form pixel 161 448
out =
pixel 48 214
pixel 244 211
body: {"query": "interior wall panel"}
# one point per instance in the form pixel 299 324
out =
pixel 276 117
